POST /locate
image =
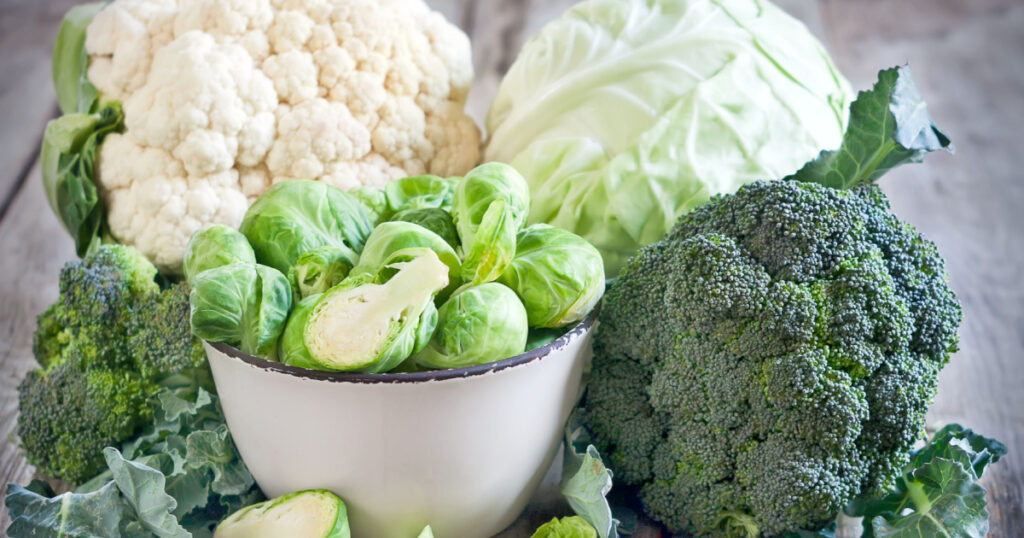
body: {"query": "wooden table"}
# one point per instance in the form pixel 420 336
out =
pixel 968 60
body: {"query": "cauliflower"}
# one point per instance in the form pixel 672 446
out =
pixel 222 98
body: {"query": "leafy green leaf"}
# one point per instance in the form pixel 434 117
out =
pixel 938 493
pixel 586 481
pixel 179 477
pixel 946 501
pixel 70 61
pixel 214 450
pixel 68 159
pixel 889 126
pixel 35 511
pixel 955 442
pixel 143 489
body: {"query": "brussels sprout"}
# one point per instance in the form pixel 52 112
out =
pixel 420 192
pixel 214 246
pixel 483 185
pixel 315 513
pixel 372 322
pixel 390 237
pixel 479 324
pixel 493 246
pixel 558 275
pixel 438 221
pixel 294 217
pixel 292 348
pixel 318 270
pixel 374 201
pixel 491 204
pixel 241 304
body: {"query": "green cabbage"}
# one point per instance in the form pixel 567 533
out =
pixel 624 114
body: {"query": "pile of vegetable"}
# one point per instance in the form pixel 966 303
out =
pixel 426 273
pixel 123 406
pixel 305 180
pixel 178 114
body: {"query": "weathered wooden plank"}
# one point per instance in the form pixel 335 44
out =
pixel 966 60
pixel 27 30
pixel 33 247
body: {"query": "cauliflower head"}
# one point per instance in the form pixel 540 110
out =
pixel 223 98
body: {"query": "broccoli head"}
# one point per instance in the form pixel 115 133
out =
pixel 773 356
pixel 104 347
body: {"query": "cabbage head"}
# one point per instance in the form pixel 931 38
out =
pixel 624 114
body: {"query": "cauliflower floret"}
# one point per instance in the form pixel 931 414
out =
pixel 223 98
pixel 155 205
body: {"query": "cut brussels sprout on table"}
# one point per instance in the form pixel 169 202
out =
pixel 314 513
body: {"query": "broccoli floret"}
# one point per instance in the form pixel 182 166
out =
pixel 103 348
pixel 771 358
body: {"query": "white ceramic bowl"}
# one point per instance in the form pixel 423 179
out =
pixel 461 450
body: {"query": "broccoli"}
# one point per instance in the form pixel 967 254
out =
pixel 774 355
pixel 103 348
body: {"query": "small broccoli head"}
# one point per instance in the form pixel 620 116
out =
pixel 68 415
pixel 770 359
pixel 103 347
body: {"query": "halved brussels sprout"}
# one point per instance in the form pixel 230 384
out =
pixel 241 304
pixel 316 513
pixel 491 204
pixel 420 192
pixel 297 216
pixel 558 275
pixel 390 237
pixel 292 348
pixel 318 270
pixel 214 246
pixel 480 324
pixel 372 322
pixel 436 220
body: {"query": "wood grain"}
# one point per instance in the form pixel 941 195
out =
pixel 27 29
pixel 33 247
pixel 967 58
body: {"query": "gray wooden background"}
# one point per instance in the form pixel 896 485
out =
pixel 968 59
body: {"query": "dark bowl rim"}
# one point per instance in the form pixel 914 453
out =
pixel 579 329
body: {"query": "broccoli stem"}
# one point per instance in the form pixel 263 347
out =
pixel 915 492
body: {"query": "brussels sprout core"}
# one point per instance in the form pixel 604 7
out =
pixel 362 324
